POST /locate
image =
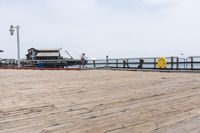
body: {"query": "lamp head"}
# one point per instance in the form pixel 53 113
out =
pixel 11 30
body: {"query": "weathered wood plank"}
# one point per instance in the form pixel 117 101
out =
pixel 98 102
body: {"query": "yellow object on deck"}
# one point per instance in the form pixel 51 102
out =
pixel 162 62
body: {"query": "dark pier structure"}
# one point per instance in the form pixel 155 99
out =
pixel 47 58
pixel 51 58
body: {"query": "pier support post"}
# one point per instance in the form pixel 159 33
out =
pixel 155 63
pixel 94 64
pixel 117 63
pixel 192 63
pixel 177 63
pixel 172 63
pixel 107 61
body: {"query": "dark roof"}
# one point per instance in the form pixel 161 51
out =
pixel 1 50
pixel 46 50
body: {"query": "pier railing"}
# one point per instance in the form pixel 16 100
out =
pixel 173 63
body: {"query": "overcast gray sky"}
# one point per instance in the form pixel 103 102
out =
pixel 118 28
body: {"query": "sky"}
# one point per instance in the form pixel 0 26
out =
pixel 117 28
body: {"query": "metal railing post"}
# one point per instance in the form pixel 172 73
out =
pixel 192 63
pixel 177 63
pixel 172 63
pixel 154 63
pixel 107 61
pixel 94 64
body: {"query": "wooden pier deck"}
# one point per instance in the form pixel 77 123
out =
pixel 99 102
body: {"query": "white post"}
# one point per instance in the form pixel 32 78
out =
pixel 18 47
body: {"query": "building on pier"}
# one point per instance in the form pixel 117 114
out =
pixel 43 54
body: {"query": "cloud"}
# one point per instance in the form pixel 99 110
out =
pixel 128 28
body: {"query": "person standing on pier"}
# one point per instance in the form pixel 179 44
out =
pixel 83 60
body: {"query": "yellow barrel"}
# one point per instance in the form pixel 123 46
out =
pixel 162 62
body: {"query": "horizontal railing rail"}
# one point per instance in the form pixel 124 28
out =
pixel 173 63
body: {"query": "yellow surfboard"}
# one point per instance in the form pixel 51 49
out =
pixel 162 62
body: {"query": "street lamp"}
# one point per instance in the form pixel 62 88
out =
pixel 12 30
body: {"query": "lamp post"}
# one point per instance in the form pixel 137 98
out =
pixel 12 29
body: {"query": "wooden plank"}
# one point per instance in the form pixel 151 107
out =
pixel 98 101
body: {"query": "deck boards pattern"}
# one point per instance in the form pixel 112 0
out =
pixel 99 102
